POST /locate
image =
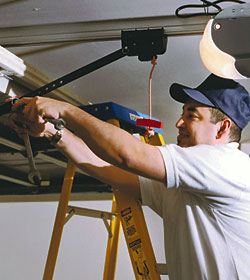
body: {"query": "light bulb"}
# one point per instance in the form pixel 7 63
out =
pixel 215 60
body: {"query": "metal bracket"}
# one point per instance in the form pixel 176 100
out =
pixel 144 43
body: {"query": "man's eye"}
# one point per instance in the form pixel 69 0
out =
pixel 190 116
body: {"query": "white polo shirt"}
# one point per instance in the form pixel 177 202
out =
pixel 205 206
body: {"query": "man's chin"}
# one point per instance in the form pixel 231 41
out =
pixel 183 141
pixel 183 145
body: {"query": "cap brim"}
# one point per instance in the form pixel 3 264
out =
pixel 182 93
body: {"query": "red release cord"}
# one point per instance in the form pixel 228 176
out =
pixel 148 122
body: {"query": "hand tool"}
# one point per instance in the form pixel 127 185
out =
pixel 34 175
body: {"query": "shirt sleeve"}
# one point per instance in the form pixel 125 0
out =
pixel 152 193
pixel 202 169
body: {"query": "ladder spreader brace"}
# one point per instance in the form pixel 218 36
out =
pixel 105 216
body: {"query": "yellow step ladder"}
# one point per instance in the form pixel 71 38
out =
pixel 126 211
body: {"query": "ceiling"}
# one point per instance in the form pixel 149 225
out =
pixel 58 37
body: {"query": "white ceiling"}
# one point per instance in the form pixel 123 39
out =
pixel 26 12
pixel 125 81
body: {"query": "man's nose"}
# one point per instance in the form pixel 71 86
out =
pixel 180 123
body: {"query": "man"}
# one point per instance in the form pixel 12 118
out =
pixel 200 187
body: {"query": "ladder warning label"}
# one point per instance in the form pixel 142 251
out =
pixel 126 211
pixel 129 223
pixel 139 259
pixel 135 244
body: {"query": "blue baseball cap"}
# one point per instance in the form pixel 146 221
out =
pixel 224 94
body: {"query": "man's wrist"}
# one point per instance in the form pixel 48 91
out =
pixel 56 137
pixel 52 135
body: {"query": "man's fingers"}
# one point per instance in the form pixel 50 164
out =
pixel 20 103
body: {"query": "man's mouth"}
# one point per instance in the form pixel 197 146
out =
pixel 182 136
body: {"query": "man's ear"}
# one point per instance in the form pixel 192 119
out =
pixel 224 128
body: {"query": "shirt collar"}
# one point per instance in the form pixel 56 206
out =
pixel 234 145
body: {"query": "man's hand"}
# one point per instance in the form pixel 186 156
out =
pixel 22 125
pixel 38 108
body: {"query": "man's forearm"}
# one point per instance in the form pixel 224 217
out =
pixel 109 142
pixel 74 148
pixel 115 145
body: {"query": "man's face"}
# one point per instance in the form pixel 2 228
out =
pixel 194 125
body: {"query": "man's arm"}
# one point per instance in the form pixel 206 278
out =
pixel 107 141
pixel 75 149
